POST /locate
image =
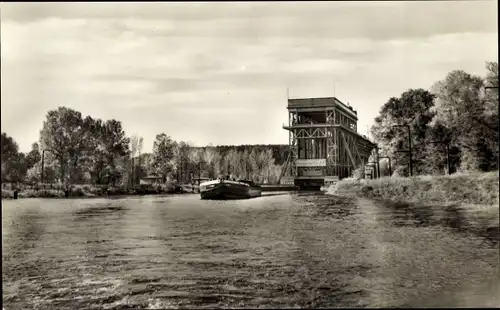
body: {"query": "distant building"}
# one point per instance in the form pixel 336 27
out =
pixel 198 181
pixel 151 180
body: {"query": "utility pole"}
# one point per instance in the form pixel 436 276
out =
pixel 43 159
pixel 447 144
pixel 409 146
pixel 199 172
pixel 133 171
pixel 179 172
pixel 378 163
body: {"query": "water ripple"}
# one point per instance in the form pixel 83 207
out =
pixel 291 251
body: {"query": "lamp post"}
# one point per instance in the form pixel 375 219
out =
pixel 409 146
pixel 447 144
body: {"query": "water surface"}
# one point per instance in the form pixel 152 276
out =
pixel 275 251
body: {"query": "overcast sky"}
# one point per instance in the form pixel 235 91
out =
pixel 218 72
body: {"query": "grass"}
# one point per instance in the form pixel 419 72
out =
pixel 471 188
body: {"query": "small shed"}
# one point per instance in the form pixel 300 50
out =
pixel 151 180
pixel 198 181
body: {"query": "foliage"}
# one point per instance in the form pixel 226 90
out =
pixel 62 135
pixel 411 109
pixel 459 112
pixel 13 162
pixel 85 149
pixel 34 156
pixel 470 188
pixel 163 154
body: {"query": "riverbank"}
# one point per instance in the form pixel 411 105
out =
pixel 93 191
pixel 471 188
pixel 472 198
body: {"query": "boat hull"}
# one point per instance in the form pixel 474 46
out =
pixel 233 190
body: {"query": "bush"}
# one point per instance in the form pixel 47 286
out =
pixel 85 190
pixel 7 194
pixel 43 193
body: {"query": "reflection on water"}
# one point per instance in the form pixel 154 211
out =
pixel 282 250
pixel 452 216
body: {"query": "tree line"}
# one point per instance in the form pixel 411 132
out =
pixel 458 117
pixel 73 149
pixel 454 124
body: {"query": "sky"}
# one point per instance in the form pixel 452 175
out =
pixel 219 72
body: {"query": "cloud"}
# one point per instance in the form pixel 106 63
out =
pixel 379 20
pixel 159 66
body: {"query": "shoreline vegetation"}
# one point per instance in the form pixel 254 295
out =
pixel 453 128
pixel 94 191
pixel 470 200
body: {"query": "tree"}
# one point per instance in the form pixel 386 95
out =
pixel 412 108
pixel 231 164
pixel 461 108
pixel 253 161
pixel 196 158
pixel 10 153
pixel 95 159
pixel 266 161
pixel 136 144
pixel 181 160
pixel 491 112
pixel 49 172
pixel 244 164
pixel 163 154
pixel 33 156
pixel 218 165
pixel 63 135
pixel 116 146
pixel 211 157
pixel 13 162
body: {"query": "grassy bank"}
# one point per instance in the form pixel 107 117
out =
pixel 472 188
pixel 52 191
pixel 470 200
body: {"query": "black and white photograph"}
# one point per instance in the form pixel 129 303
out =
pixel 250 154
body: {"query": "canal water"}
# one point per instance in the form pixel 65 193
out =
pixel 281 250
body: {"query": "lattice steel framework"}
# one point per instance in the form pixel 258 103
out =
pixel 346 150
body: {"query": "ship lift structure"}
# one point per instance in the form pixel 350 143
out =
pixel 325 146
